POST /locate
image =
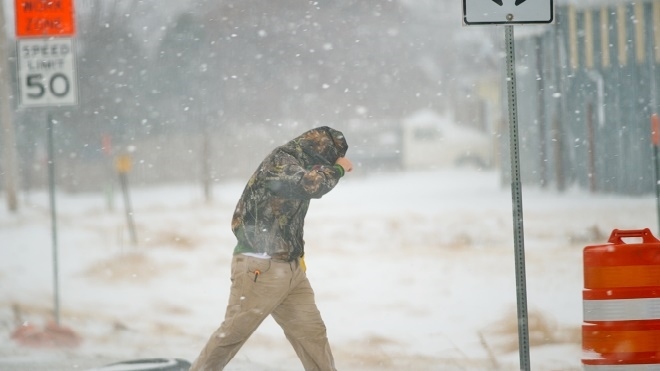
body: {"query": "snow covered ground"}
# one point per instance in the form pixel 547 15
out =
pixel 412 271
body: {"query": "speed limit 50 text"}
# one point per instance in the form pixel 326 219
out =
pixel 47 72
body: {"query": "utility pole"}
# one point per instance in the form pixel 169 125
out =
pixel 9 168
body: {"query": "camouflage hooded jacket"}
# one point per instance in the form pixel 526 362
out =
pixel 270 214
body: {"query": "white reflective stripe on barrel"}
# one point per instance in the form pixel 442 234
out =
pixel 621 367
pixel 621 310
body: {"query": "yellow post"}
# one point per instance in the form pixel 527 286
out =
pixel 124 164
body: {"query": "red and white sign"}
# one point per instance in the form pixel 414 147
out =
pixel 40 18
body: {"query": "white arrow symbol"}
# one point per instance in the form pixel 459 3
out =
pixel 500 3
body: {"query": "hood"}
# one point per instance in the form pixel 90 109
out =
pixel 319 146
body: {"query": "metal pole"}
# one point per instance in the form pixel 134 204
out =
pixel 655 141
pixel 123 180
pixel 53 217
pixel 657 183
pixel 516 193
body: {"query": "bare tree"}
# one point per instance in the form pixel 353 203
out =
pixel 8 131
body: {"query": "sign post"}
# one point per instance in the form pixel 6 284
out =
pixel 508 13
pixel 53 218
pixel 124 164
pixel 47 78
pixel 655 140
pixel 516 195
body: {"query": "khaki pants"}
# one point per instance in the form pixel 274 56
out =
pixel 280 289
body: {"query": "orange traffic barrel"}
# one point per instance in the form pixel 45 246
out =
pixel 621 303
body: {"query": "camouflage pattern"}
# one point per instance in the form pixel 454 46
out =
pixel 270 215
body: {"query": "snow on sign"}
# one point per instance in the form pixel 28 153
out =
pixel 46 72
pixel 477 12
pixel 39 18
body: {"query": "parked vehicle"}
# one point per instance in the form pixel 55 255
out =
pixel 432 141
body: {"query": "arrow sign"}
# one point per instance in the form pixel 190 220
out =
pixel 500 3
pixel 477 12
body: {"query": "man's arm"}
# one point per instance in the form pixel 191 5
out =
pixel 289 179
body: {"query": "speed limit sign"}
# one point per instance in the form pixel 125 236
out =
pixel 46 72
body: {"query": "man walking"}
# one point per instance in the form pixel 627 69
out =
pixel 268 271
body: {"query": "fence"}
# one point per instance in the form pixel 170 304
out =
pixel 587 87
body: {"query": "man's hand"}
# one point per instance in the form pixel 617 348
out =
pixel 345 163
